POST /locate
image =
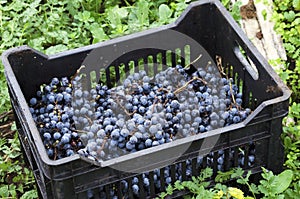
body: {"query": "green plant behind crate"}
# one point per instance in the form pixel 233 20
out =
pixel 54 26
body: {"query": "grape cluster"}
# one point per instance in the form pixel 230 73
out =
pixel 144 112
pixel 103 123
pixel 53 113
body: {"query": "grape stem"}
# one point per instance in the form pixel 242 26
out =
pixel 79 131
pixel 127 113
pixel 77 72
pixel 193 61
pixel 103 145
pixel 219 65
pixel 221 70
pixel 89 119
pixel 155 103
pixel 232 95
pixel 132 133
pixel 186 84
pixel 163 89
pixel 55 153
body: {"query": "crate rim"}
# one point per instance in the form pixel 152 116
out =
pixel 13 83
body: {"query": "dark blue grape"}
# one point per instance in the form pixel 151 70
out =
pixel 135 189
pixel 115 134
pixel 155 143
pixel 148 143
pixel 50 152
pixel 56 135
pixel 47 136
pixel 236 119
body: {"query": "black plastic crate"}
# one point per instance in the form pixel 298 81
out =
pixel 209 24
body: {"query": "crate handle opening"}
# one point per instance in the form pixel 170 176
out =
pixel 247 63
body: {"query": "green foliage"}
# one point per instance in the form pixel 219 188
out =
pixel 290 76
pixel 291 139
pixel 16 180
pixel 293 192
pixel 198 186
pixel 54 26
pixel 4 97
pixel 233 8
pixel 287 17
pixel 271 186
pixel 296 5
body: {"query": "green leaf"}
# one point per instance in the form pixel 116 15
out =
pixel 264 14
pixel 123 12
pixel 296 4
pixel 169 190
pixel 84 16
pixel 178 185
pixel 289 47
pixel 30 195
pixel 290 16
pixel 235 12
pixel 206 173
pixel 293 193
pixel 138 17
pixel 164 13
pixel 254 188
pixel 280 196
pixel 4 192
pixel 56 49
pixel 287 142
pixel 223 176
pixel 226 3
pixel 115 16
pixel 98 33
pixel 241 181
pixel 238 172
pixel 3 1
pixel 285 75
pixel 283 181
pixel 263 189
pixel 142 12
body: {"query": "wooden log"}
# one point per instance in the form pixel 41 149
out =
pixel 260 29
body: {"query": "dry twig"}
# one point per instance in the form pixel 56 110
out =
pixel 187 83
pixel 193 61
